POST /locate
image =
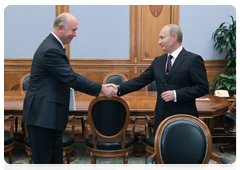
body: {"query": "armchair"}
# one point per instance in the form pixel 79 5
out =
pixel 8 137
pixel 183 139
pixel 108 119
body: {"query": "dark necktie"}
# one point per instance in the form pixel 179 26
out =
pixel 169 64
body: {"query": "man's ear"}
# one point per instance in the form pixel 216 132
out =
pixel 60 27
pixel 175 37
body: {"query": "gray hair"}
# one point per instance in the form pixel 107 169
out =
pixel 174 29
pixel 61 19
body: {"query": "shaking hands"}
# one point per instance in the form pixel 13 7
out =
pixel 109 90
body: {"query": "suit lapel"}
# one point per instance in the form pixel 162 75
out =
pixel 181 57
pixel 59 45
pixel 162 66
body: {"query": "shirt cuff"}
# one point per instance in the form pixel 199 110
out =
pixel 175 96
pixel 119 90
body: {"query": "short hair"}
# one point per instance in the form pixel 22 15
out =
pixel 174 29
pixel 61 19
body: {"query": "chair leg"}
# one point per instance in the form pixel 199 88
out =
pixel 10 157
pixel 125 160
pixel 68 158
pixel 93 159
pixel 64 155
pixel 30 157
pixel 230 146
pixel 147 155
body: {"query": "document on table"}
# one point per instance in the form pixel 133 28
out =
pixel 206 99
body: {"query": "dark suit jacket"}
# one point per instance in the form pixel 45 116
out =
pixel 187 76
pixel 46 103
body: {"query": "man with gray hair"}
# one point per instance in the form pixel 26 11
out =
pixel 46 104
pixel 180 77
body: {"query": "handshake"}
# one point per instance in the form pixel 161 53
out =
pixel 109 90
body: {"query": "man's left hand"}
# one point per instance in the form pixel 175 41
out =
pixel 168 96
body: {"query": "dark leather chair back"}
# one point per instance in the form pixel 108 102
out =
pixel 109 117
pixel 152 86
pixel 25 83
pixel 115 79
pixel 183 139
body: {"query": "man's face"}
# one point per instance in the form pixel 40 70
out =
pixel 70 31
pixel 165 40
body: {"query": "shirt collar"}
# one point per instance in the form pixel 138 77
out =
pixel 176 52
pixel 58 40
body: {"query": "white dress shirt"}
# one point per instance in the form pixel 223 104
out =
pixel 175 55
pixel 58 40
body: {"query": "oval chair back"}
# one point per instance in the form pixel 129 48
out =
pixel 183 139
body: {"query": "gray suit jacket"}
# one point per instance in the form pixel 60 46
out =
pixel 187 76
pixel 46 103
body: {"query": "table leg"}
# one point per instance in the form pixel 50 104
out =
pixel 210 123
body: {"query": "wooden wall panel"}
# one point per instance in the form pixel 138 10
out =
pixel 14 70
pixel 154 17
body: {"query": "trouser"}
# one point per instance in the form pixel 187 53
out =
pixel 46 145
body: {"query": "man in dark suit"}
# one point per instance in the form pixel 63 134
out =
pixel 46 104
pixel 180 79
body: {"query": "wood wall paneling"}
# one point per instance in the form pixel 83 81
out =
pixel 15 69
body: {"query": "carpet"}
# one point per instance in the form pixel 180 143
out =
pixel 80 160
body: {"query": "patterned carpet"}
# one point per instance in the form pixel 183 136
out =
pixel 79 156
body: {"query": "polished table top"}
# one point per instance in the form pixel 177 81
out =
pixel 140 103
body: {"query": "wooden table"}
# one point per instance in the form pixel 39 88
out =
pixel 169 169
pixel 141 103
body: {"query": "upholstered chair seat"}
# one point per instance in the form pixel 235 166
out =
pixel 150 140
pixel 110 145
pixel 7 138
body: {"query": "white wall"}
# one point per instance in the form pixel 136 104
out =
pixel 198 22
pixel 25 27
pixel 103 31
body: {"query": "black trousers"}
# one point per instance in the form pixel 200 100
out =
pixel 46 145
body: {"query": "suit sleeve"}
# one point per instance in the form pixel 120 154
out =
pixel 56 63
pixel 199 81
pixel 137 83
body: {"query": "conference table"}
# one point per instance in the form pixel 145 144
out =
pixel 140 103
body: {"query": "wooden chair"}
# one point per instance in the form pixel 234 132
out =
pixel 24 82
pixel 183 139
pixel 152 86
pixel 67 139
pixel 230 125
pixel 150 135
pixel 115 78
pixel 108 119
pixel 8 137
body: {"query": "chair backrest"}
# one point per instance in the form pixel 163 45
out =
pixel 152 86
pixel 183 139
pixel 108 117
pixel 115 78
pixel 11 119
pixel 24 82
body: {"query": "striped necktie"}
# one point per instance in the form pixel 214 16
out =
pixel 169 64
